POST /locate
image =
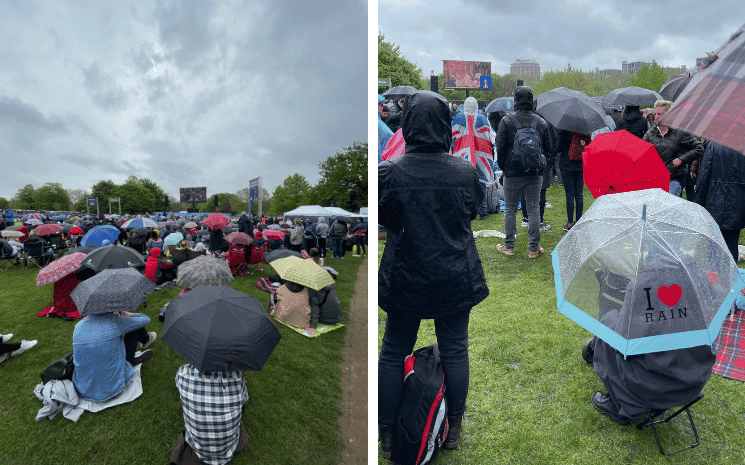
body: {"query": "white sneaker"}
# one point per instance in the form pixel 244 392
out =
pixel 5 337
pixel 153 335
pixel 355 255
pixel 545 226
pixel 25 345
pixel 524 224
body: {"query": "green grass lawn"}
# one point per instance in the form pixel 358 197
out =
pixel 291 416
pixel 529 397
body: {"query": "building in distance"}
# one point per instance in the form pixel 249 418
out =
pixel 526 68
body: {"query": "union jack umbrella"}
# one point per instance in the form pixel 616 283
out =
pixel 471 141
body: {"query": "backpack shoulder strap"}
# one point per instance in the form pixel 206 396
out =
pixel 514 120
pixel 534 123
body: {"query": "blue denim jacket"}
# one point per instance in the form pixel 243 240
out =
pixel 101 369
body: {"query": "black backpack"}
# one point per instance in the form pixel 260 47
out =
pixel 527 158
pixel 421 423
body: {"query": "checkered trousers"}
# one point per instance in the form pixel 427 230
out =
pixel 212 404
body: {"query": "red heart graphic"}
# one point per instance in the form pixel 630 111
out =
pixel 669 295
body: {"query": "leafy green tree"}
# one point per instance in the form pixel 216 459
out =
pixel 80 204
pixel 391 64
pixel 156 195
pixel 344 179
pixel 104 190
pixel 134 198
pixel 4 203
pixel 649 77
pixel 291 194
pixel 51 196
pixel 25 198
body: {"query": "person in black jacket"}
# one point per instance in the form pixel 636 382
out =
pixel 632 121
pixel 394 116
pixel 515 180
pixel 245 225
pixel 720 189
pixel 430 267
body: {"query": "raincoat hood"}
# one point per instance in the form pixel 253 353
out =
pixel 426 123
pixel 321 219
pixel 155 252
pixel 632 113
pixel 471 106
pixel 523 98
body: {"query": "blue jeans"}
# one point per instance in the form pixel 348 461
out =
pixel 573 187
pixel 336 251
pixel 676 188
pixel 399 339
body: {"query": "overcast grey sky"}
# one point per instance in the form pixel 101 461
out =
pixel 184 92
pixel 585 33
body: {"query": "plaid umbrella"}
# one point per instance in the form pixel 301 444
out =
pixel 59 268
pixel 109 291
pixel 305 272
pixel 113 256
pixel 220 329
pixel 47 229
pixel 173 238
pixel 711 104
pixel 11 233
pixel 239 238
pixel 216 221
pixel 33 222
pixel 204 270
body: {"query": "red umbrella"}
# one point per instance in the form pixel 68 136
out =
pixel 47 229
pixel 273 233
pixel 76 230
pixel 33 222
pixel 59 268
pixel 713 103
pixel 239 238
pixel 618 161
pixel 396 146
pixel 216 221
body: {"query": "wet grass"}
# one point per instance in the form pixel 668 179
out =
pixel 529 395
pixel 291 415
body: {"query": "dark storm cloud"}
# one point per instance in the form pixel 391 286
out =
pixel 223 91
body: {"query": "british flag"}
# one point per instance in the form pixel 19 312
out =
pixel 471 141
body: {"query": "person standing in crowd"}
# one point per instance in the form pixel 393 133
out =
pixel 471 142
pixel 632 121
pixel 322 231
pixel 360 234
pixel 453 111
pixel 384 132
pixel 677 149
pixel 296 236
pixel 337 232
pixel 245 225
pixel 570 146
pixel 516 180
pixel 414 190
pixel 721 191
pixel 394 115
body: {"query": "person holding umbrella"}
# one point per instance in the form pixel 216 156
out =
pixel 569 148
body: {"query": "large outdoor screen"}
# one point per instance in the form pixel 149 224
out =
pixel 193 194
pixel 467 75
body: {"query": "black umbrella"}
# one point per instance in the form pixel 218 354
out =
pixel 141 231
pixel 280 253
pixel 571 110
pixel 85 250
pixel 632 95
pixel 674 86
pixel 113 256
pixel 202 232
pixel 220 329
pixel 121 290
pixel 399 92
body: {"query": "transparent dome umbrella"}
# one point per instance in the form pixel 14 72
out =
pixel 646 271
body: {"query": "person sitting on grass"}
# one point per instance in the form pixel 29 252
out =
pixel 157 270
pixel 315 255
pixel 322 305
pixel 103 352
pixel 11 349
pixel 213 406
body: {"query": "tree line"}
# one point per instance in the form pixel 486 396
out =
pixel 343 183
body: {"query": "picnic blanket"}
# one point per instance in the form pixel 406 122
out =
pixel 265 285
pixel 320 329
pixel 61 396
pixel 730 344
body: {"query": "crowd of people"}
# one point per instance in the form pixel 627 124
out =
pixel 105 345
pixel 450 156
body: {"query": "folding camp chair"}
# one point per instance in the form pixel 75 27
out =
pixel 35 254
pixel 237 260
pixel 59 246
pixel 257 257
pixel 650 421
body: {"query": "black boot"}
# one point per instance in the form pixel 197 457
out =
pixel 454 428
pixel 588 350
pixel 385 434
